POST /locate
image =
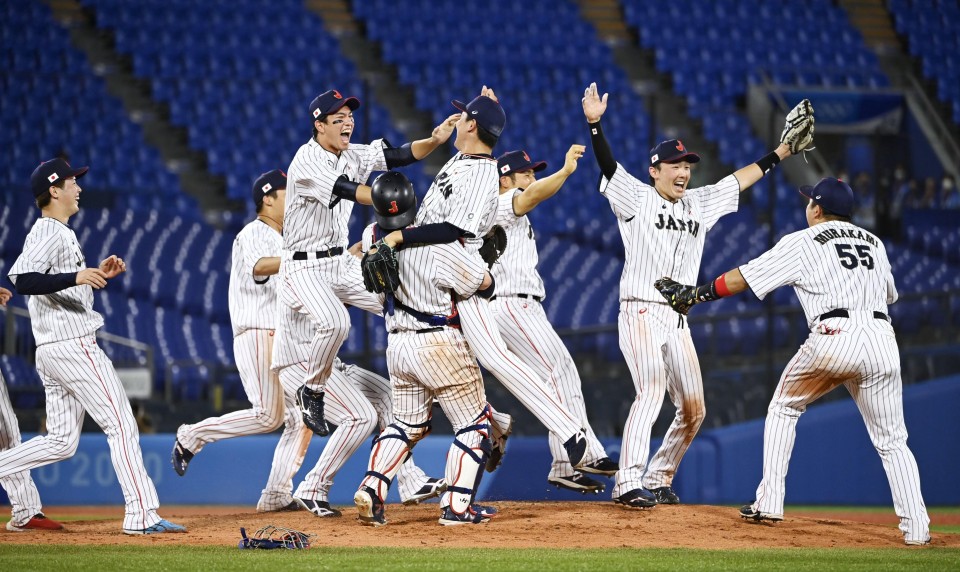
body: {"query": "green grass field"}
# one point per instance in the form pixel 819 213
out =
pixel 24 558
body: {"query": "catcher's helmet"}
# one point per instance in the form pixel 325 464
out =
pixel 394 201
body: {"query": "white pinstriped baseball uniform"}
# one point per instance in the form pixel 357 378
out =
pixel 319 288
pixel 661 238
pixel 427 363
pixel 465 194
pixel 24 497
pixel 524 326
pixel 252 301
pixel 357 401
pixel 832 266
pixel 77 376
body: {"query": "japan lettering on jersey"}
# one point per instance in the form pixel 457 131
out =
pixel 427 276
pixel 464 194
pixel 51 247
pixel 310 225
pixel 831 265
pixel 516 270
pixel 663 238
pixel 253 299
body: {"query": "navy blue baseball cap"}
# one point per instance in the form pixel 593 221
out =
pixel 49 172
pixel 833 195
pixel 268 182
pixel 329 102
pixel 486 111
pixel 516 161
pixel 672 151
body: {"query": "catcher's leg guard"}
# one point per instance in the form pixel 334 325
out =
pixel 465 462
pixel 390 449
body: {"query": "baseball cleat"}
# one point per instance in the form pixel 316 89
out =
pixel 498 448
pixel 912 542
pixel 36 522
pixel 748 512
pixel 310 403
pixel 160 527
pixel 637 498
pixel 577 483
pixel 604 466
pixel 576 448
pixel 180 458
pixel 665 495
pixel 450 518
pixel 369 507
pixel 319 508
pixel 294 506
pixel 485 511
pixel 432 488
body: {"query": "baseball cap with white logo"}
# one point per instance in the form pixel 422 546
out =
pixel 49 172
pixel 486 111
pixel 516 161
pixel 672 151
pixel 833 196
pixel 274 180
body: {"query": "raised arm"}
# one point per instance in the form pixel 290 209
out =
pixel 546 187
pixel 594 107
pixel 797 136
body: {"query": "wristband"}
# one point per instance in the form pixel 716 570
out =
pixel 768 161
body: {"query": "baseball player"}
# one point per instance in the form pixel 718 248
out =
pixel 428 359
pixel 26 511
pixel 842 276
pixel 318 276
pixel 462 203
pixel 517 303
pixel 77 376
pixel 664 227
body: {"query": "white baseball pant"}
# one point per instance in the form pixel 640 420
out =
pixel 24 498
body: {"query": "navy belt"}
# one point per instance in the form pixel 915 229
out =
pixel 842 313
pixel 528 296
pixel 318 254
pixel 424 331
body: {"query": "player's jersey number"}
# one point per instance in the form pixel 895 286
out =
pixel 850 260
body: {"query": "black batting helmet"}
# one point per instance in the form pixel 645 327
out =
pixel 394 201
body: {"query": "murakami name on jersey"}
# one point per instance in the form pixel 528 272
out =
pixel 832 233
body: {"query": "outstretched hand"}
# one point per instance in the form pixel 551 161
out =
pixel 441 133
pixel 488 92
pixel 570 161
pixel 93 277
pixel 594 106
pixel 113 266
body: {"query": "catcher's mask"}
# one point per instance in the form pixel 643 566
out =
pixel 394 201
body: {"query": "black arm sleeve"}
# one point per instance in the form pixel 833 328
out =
pixel 399 156
pixel 437 233
pixel 37 284
pixel 608 165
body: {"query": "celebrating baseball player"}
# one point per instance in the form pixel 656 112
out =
pixel 77 376
pixel 428 359
pixel 252 300
pixel 26 513
pixel 842 277
pixel 517 302
pixel 462 204
pixel 318 276
pixel 664 229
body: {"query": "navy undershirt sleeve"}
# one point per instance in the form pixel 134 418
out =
pixel 437 233
pixel 37 284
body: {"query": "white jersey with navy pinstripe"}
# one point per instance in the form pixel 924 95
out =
pixel 516 270
pixel 663 238
pixel 51 247
pixel 427 276
pixel 831 265
pixel 464 194
pixel 309 224
pixel 253 299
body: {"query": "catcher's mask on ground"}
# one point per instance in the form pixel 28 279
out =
pixel 394 202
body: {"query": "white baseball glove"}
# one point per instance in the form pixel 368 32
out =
pixel 798 130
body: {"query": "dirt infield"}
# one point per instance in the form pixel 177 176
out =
pixel 519 525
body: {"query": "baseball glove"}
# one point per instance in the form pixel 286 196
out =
pixel 494 243
pixel 270 537
pixel 381 270
pixel 798 130
pixel 680 297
